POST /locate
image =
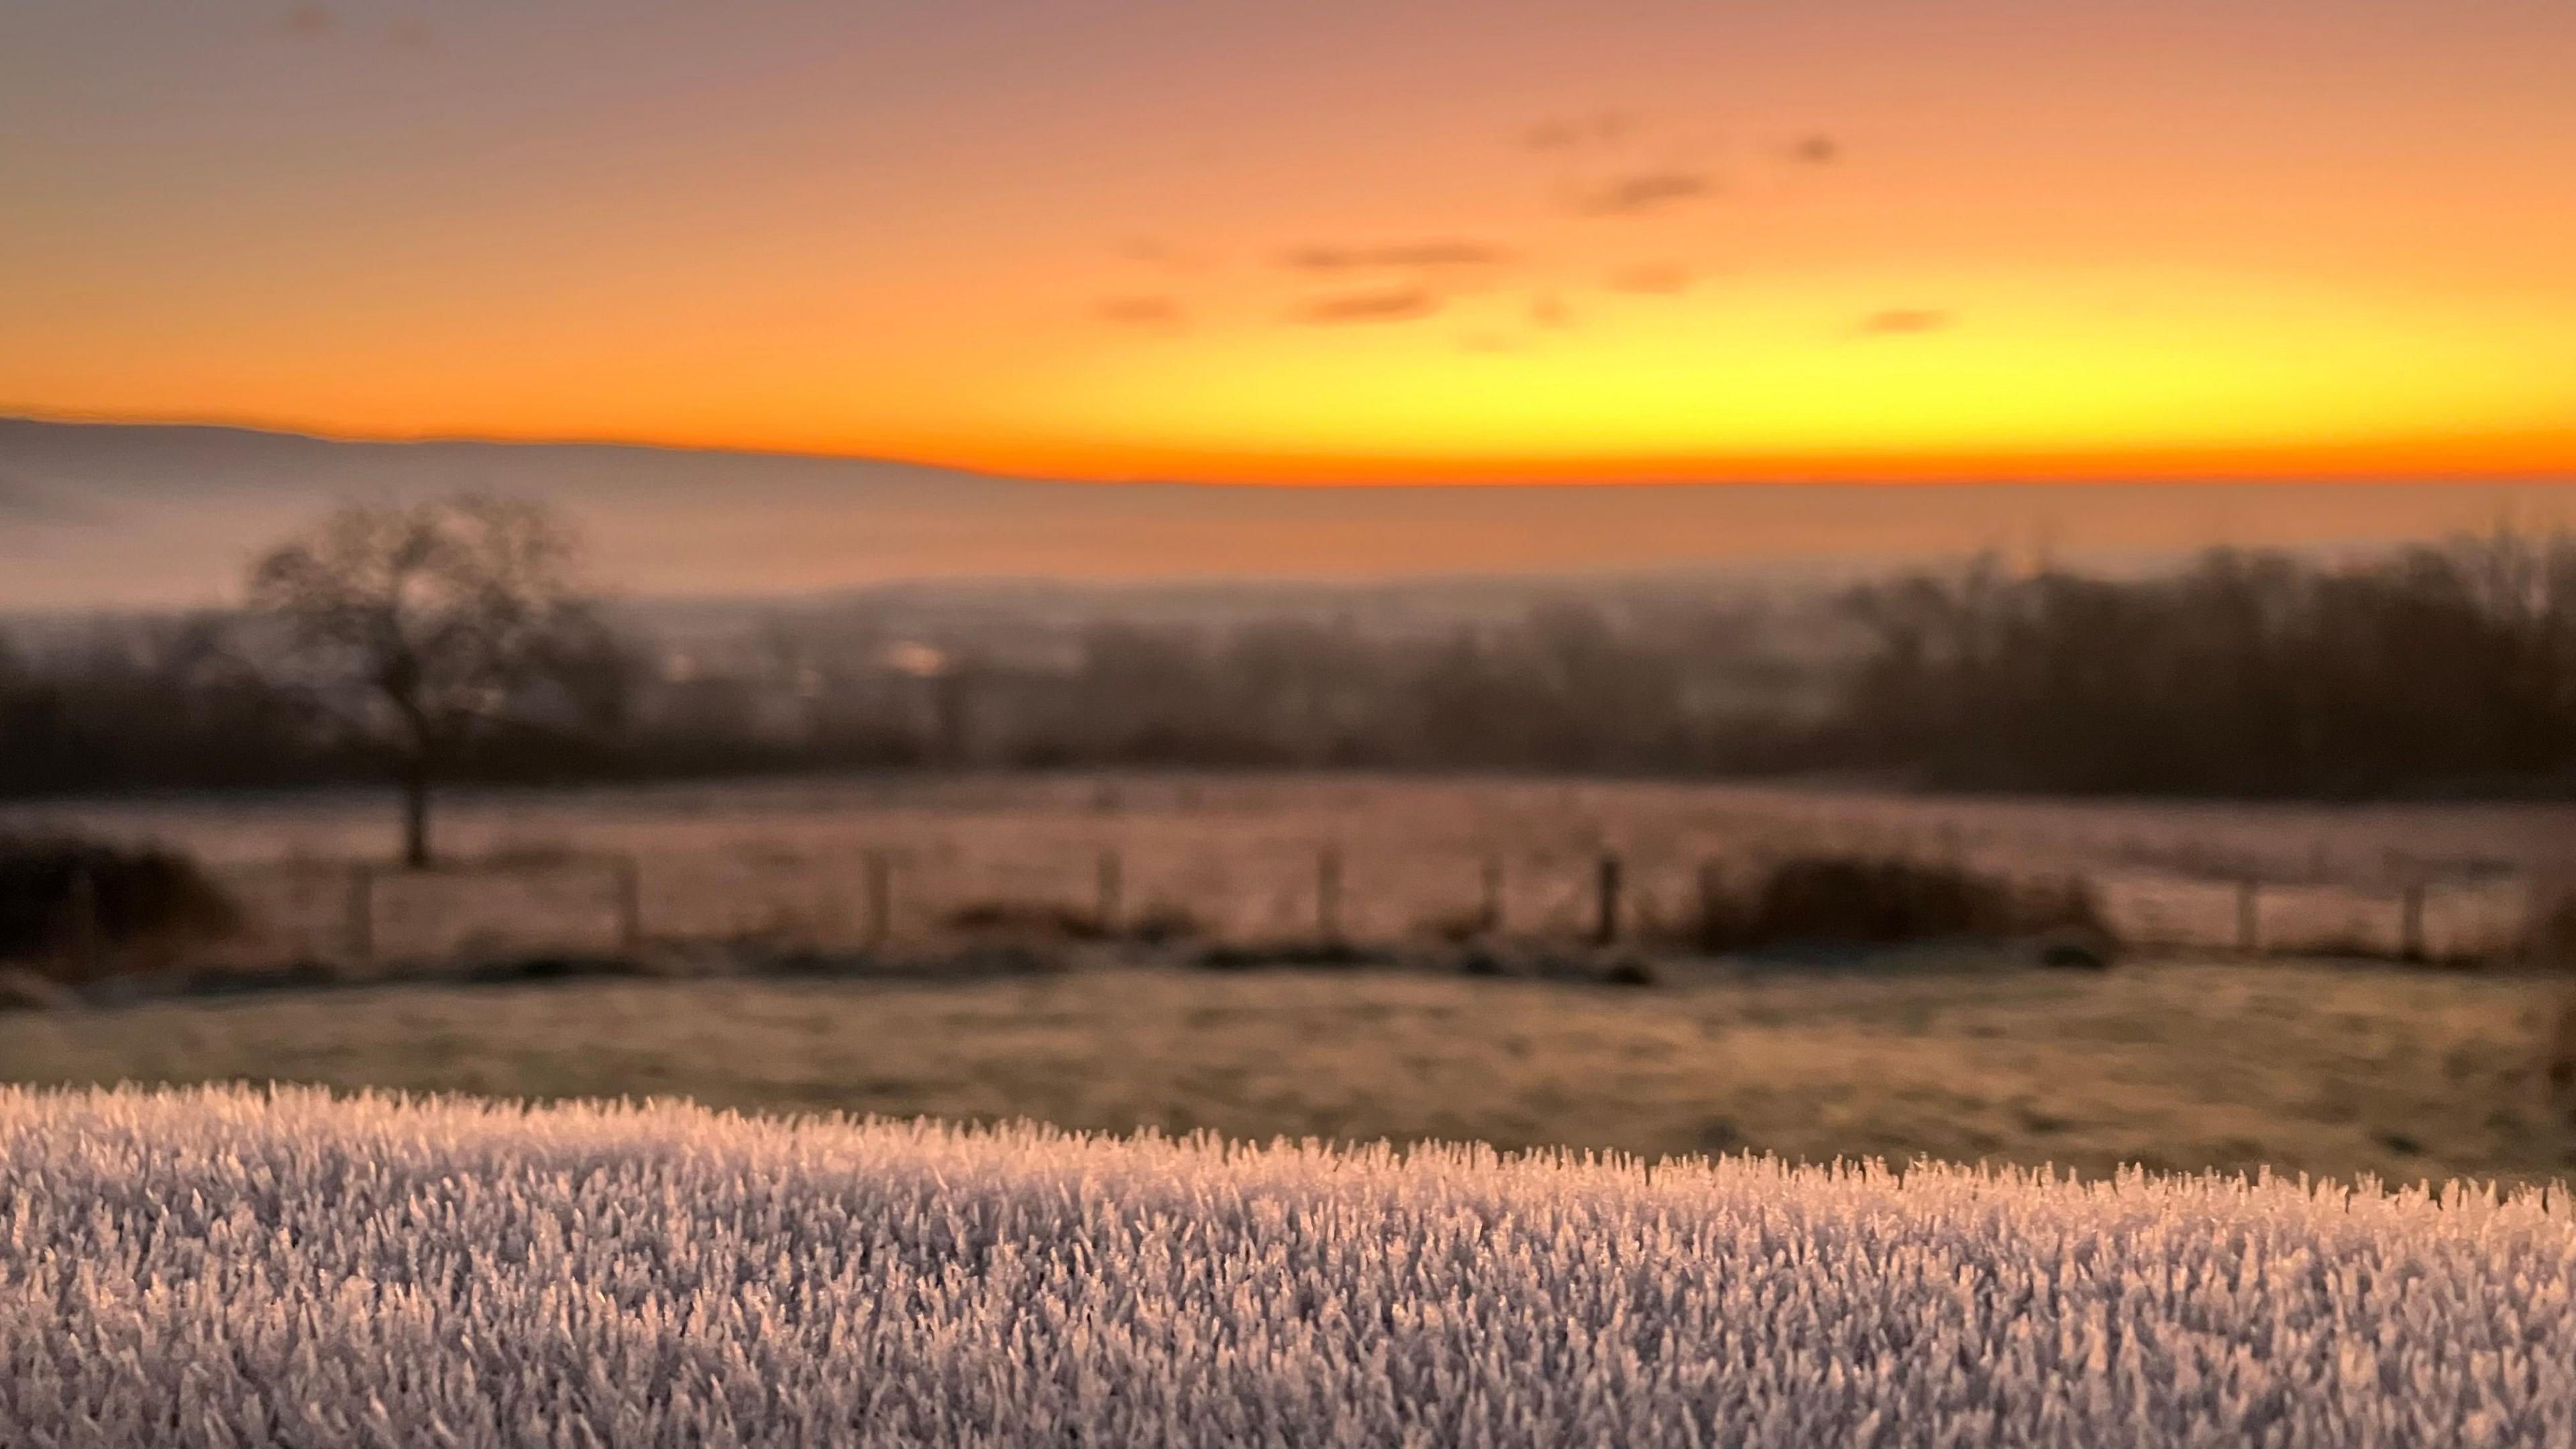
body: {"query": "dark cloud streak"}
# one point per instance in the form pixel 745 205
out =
pixel 1645 191
pixel 1560 133
pixel 1160 313
pixel 1393 304
pixel 1434 255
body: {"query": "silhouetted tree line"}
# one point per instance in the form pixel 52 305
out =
pixel 2439 669
pixel 1569 687
pixel 150 705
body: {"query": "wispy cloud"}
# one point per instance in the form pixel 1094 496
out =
pixel 1906 322
pixel 1551 312
pixel 1644 191
pixel 1157 313
pixel 1585 130
pixel 1391 304
pixel 1596 128
pixel 1816 150
pixel 1653 279
pixel 1433 255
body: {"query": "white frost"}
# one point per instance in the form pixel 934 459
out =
pixel 232 1267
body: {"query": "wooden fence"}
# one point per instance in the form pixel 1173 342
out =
pixel 879 898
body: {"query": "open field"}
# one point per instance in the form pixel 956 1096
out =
pixel 233 1268
pixel 789 859
pixel 2328 1070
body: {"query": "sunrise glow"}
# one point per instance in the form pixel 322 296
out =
pixel 1431 243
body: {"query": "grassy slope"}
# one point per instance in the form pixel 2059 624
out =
pixel 2403 1074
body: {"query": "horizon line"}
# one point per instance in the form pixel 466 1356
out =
pixel 2036 470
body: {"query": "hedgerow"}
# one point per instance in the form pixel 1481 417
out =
pixel 245 1267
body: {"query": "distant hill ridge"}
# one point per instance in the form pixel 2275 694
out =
pixel 124 514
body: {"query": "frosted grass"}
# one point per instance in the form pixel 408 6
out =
pixel 231 1267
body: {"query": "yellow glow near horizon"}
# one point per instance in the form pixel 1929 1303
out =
pixel 1787 377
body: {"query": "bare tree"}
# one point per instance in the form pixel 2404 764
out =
pixel 422 627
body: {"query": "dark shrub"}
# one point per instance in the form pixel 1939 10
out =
pixel 1830 899
pixel 2552 947
pixel 2552 941
pixel 1040 919
pixel 79 908
pixel 1309 954
pixel 1160 925
pixel 551 968
pixel 1232 958
pixel 1629 971
pixel 1050 921
pixel 2074 955
pixel 1866 901
pixel 1458 928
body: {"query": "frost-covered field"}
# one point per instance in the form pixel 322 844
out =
pixel 232 1268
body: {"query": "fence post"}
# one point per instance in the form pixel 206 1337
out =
pixel 2410 923
pixel 1605 925
pixel 1108 882
pixel 880 881
pixel 2249 937
pixel 630 905
pixel 362 914
pixel 1328 894
pixel 1492 916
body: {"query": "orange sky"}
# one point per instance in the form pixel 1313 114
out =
pixel 1462 241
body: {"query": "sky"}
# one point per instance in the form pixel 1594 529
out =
pixel 1335 241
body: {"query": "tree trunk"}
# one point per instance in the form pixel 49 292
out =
pixel 415 795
